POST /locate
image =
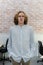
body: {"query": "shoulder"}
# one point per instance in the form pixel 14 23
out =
pixel 30 27
pixel 12 28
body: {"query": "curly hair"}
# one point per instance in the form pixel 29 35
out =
pixel 16 18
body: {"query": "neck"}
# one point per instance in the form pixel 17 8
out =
pixel 21 25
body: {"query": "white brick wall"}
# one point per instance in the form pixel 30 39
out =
pixel 33 8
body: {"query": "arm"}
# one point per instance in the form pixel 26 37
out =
pixel 33 46
pixel 9 47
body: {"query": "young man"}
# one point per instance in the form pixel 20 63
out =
pixel 21 40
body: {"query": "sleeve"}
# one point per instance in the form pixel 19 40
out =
pixel 33 47
pixel 9 47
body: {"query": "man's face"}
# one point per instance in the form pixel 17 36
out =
pixel 21 18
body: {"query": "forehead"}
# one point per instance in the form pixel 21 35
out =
pixel 21 13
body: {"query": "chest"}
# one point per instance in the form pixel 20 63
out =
pixel 21 33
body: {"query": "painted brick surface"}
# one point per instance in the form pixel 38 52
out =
pixel 33 8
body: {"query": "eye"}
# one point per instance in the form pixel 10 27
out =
pixel 20 16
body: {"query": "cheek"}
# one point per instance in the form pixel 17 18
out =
pixel 23 19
